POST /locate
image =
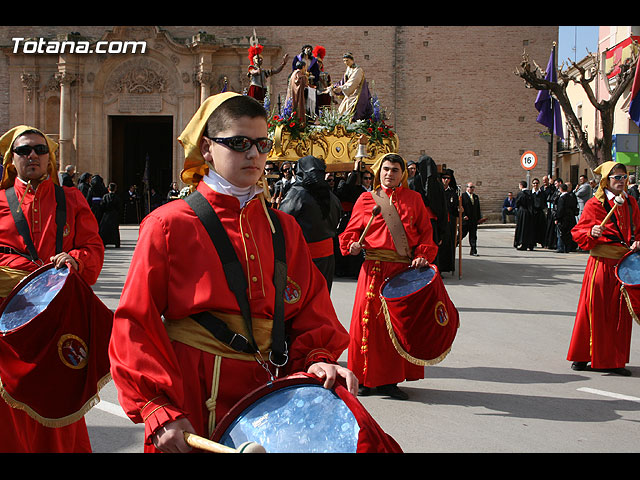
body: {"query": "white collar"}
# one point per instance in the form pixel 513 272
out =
pixel 222 185
pixel 611 195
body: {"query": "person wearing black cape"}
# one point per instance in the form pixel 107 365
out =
pixel 111 207
pixel 427 182
pixel 317 210
pixel 525 234
pixel 447 250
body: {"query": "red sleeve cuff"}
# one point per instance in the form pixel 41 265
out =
pixel 318 355
pixel 156 413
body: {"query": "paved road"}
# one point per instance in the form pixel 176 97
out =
pixel 505 387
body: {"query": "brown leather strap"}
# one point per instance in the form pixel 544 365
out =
pixel 394 224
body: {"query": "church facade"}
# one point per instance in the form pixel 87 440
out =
pixel 116 98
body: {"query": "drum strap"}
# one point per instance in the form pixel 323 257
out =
pixel 238 284
pixel 23 226
pixel 393 221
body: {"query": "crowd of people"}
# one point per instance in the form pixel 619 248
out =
pixel 546 211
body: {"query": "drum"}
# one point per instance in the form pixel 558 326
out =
pixel 421 318
pixel 296 414
pixel 54 337
pixel 628 274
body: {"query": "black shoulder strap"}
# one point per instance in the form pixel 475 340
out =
pixel 61 216
pixel 235 274
pixel 23 226
pixel 278 340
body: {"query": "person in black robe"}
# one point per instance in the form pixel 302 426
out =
pixel 566 219
pixel 447 250
pixel 348 191
pixel 525 234
pixel 317 210
pixel 132 206
pixel 84 185
pixel 427 182
pixel 111 207
pixel 538 209
pixel 97 190
pixel 551 237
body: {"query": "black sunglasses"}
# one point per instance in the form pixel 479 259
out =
pixel 25 150
pixel 240 143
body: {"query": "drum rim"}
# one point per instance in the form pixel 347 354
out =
pixel 630 253
pixel 386 281
pixel 19 286
pixel 259 393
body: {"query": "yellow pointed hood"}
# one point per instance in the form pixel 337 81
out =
pixel 604 170
pixel 195 167
pixel 9 172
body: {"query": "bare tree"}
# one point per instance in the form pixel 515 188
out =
pixel 534 77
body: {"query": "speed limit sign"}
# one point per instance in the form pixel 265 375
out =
pixel 529 160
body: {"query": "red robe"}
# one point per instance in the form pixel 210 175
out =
pixel 379 363
pixel 602 329
pixel 175 271
pixel 21 433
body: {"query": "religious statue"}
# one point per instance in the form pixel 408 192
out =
pixel 258 75
pixel 355 89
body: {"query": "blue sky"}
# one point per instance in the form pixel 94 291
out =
pixel 581 38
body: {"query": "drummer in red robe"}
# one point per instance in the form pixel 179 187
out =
pixel 172 374
pixel 602 329
pixel 372 356
pixel 30 175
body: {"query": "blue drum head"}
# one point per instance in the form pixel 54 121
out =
pixel 32 298
pixel 408 282
pixel 305 418
pixel 628 269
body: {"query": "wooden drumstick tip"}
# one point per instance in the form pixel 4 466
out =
pixel 374 211
pixel 251 447
pixel 617 201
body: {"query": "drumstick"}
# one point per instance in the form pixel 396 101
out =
pixel 375 211
pixel 616 201
pixel 202 443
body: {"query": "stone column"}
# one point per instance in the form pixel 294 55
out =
pixel 205 79
pixel 66 151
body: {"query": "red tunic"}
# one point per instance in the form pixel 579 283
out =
pixel 175 272
pixel 379 363
pixel 602 329
pixel 21 433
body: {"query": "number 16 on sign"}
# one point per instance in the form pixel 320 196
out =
pixel 529 160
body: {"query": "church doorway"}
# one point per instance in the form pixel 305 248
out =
pixel 141 155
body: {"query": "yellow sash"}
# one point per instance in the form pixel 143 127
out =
pixel 9 278
pixel 385 256
pixel 609 251
pixel 188 331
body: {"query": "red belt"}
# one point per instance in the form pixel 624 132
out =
pixel 323 248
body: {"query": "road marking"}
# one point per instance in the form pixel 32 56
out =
pixel 111 408
pixel 619 396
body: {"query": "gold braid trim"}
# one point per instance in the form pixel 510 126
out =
pixel 401 351
pixel 628 301
pixel 56 422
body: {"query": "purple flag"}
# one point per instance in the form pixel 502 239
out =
pixel 634 106
pixel 549 109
